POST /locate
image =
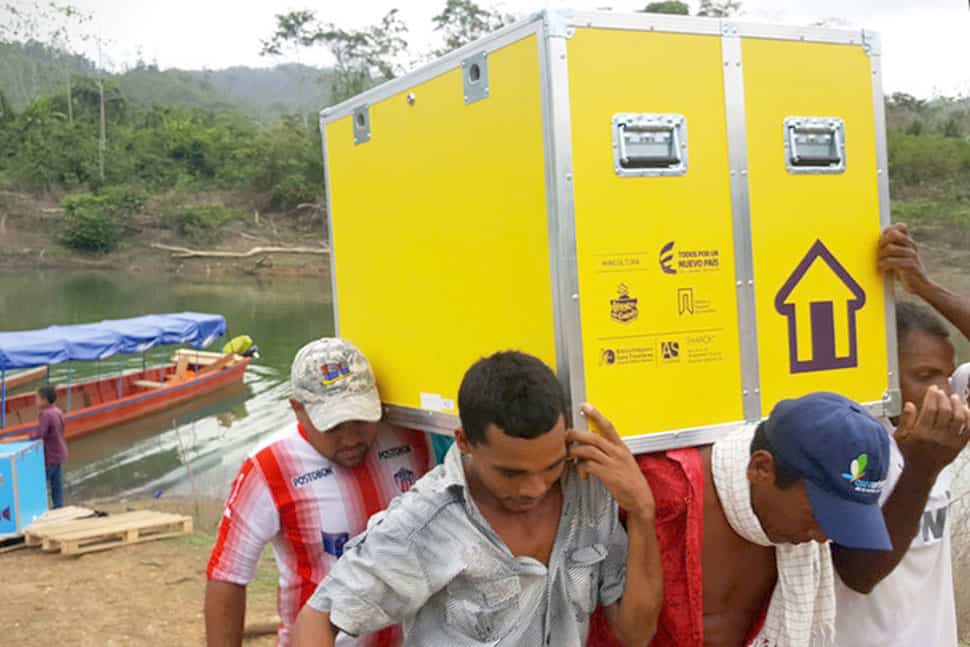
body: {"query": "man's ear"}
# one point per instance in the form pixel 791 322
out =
pixel 761 468
pixel 461 440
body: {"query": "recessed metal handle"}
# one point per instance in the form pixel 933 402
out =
pixel 649 144
pixel 815 145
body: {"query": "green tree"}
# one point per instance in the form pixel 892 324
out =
pixel 462 22
pixel 364 56
pixel 668 6
pixel 951 128
pixel 719 8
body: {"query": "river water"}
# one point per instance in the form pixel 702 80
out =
pixel 196 448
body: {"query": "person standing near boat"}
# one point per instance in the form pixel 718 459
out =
pixel 310 488
pixel 50 429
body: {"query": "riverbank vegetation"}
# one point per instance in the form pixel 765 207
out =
pixel 109 154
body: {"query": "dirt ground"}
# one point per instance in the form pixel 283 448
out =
pixel 145 594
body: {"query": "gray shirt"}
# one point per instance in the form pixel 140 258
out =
pixel 433 563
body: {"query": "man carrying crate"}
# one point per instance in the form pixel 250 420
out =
pixel 309 488
pixel 875 593
pixel 514 540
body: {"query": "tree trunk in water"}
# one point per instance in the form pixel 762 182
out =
pixel 102 140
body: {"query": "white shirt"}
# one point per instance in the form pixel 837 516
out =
pixel 914 605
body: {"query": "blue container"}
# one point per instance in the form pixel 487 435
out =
pixel 23 485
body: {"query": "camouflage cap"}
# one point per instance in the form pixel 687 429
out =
pixel 334 382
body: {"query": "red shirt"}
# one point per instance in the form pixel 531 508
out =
pixel 287 494
pixel 50 429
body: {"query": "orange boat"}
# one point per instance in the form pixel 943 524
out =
pixel 26 378
pixel 96 404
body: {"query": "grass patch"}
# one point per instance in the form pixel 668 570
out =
pixel 922 211
pixel 197 539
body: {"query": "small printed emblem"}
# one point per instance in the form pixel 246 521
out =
pixel 404 479
pixel 333 543
pixel 334 372
pixel 624 307
pixel 670 350
pixel 856 476
pixel 667 258
pixel 857 469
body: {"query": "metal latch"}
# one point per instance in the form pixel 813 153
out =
pixel 815 145
pixel 474 71
pixel 361 119
pixel 647 145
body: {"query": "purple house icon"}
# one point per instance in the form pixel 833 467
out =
pixel 820 300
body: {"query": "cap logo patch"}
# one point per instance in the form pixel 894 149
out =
pixel 333 373
pixel 857 470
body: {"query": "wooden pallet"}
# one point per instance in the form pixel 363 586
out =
pixel 51 520
pixel 101 533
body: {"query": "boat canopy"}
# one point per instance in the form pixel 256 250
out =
pixel 91 342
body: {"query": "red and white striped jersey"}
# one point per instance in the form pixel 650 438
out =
pixel 288 494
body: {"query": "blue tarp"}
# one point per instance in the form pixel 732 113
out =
pixel 89 342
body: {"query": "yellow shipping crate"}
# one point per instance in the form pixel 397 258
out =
pixel 678 214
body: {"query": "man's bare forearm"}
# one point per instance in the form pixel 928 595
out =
pixel 862 570
pixel 635 619
pixel 225 613
pixel 955 308
pixel 313 629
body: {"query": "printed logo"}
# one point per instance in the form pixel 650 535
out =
pixel 673 261
pixel 333 543
pixel 667 258
pixel 820 301
pixel 624 307
pixel 685 301
pixel 333 373
pixel 404 479
pixel 608 357
pixel 394 452
pixel 670 350
pixel 310 477
pixel 857 470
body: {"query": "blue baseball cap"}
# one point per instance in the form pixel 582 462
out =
pixel 843 454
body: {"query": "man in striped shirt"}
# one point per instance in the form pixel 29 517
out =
pixel 309 488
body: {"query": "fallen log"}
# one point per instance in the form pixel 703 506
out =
pixel 185 252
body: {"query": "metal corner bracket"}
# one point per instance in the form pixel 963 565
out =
pixel 558 23
pixel 872 42
pixel 892 400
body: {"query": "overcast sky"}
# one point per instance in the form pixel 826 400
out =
pixel 926 42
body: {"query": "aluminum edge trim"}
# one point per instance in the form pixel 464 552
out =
pixel 452 60
pixel 681 438
pixel 552 203
pixel 885 219
pixel 741 216
pixel 328 211
pixel 413 418
pixel 647 22
pixel 562 170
